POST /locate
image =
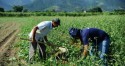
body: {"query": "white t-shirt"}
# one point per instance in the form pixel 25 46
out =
pixel 43 29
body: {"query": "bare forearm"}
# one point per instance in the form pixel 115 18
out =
pixel 85 51
pixel 34 32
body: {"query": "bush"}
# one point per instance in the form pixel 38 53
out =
pixel 1 9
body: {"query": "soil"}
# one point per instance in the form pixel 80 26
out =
pixel 8 37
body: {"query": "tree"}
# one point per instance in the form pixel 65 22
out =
pixel 25 10
pixel 1 9
pixel 96 9
pixel 119 10
pixel 18 8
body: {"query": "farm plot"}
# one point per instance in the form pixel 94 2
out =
pixel 112 24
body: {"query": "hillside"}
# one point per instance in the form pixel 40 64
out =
pixel 64 5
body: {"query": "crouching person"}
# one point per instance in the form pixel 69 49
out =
pixel 98 38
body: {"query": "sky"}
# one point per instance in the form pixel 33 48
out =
pixel 17 2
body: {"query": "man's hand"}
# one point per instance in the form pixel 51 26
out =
pixel 33 41
pixel 85 51
pixel 47 42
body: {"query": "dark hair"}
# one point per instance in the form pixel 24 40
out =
pixel 56 20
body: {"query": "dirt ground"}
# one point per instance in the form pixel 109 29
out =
pixel 8 37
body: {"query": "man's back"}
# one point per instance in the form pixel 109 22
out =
pixel 43 29
pixel 96 35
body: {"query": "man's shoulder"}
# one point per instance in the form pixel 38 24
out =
pixel 85 30
pixel 44 22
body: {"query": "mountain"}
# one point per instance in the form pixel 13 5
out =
pixel 8 4
pixel 64 5
pixel 113 4
pixel 76 5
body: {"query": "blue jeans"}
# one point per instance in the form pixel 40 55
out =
pixel 102 49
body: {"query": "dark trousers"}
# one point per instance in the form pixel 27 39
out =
pixel 33 48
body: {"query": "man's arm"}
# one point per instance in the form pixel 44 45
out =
pixel 84 41
pixel 34 32
pixel 85 51
pixel 45 38
pixel 85 48
pixel 48 43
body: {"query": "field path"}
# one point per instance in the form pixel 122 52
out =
pixel 7 42
pixel 8 32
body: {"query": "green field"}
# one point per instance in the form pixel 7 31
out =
pixel 114 25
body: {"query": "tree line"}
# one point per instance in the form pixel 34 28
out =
pixel 19 8
pixel 20 11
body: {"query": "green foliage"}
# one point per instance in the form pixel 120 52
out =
pixel 112 24
pixel 25 10
pixel 119 11
pixel 96 9
pixel 49 13
pixel 18 8
pixel 1 9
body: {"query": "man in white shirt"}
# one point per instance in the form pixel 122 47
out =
pixel 38 35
